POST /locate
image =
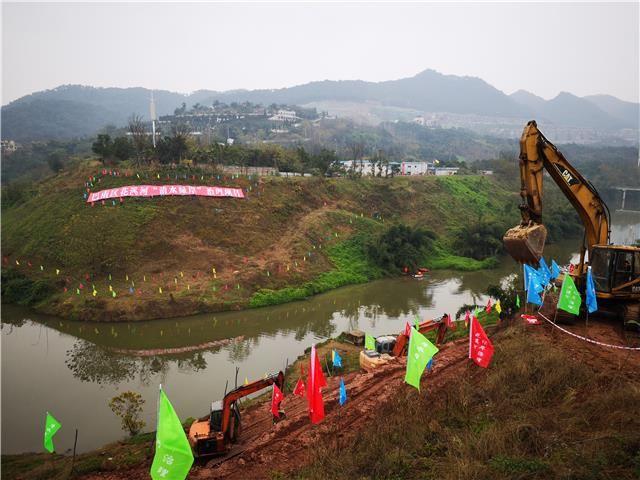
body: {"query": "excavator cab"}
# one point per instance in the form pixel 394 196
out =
pixel 216 433
pixel 616 269
pixel 525 243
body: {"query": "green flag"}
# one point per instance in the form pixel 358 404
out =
pixel 517 300
pixel 416 322
pixel 420 352
pixel 173 458
pixel 569 296
pixel 51 426
pixel 369 342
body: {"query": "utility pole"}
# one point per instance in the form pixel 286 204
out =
pixel 152 114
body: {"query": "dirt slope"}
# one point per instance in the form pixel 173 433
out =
pixel 289 445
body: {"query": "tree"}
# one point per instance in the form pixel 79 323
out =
pixel 102 146
pixel 138 132
pixel 401 246
pixel 122 148
pixel 181 110
pixel 325 161
pixel 54 161
pixel 128 406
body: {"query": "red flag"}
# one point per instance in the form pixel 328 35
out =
pixel 467 317
pixel 488 309
pixel 276 398
pixel 300 388
pixel 450 323
pixel 407 330
pixel 315 382
pixel 480 347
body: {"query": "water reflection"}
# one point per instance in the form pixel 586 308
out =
pixel 91 363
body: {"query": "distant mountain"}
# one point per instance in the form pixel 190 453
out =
pixel 74 110
pixel 528 100
pixel 568 110
pixel 627 112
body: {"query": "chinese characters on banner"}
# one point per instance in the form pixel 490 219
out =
pixel 164 190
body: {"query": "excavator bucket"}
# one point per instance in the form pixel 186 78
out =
pixel 525 243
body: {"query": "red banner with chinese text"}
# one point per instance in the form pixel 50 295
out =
pixel 164 190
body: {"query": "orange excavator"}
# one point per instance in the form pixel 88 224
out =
pixel 396 345
pixel 217 432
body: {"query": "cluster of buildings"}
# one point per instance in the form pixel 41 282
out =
pixel 8 147
pixel 408 168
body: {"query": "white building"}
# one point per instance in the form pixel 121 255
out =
pixel 446 171
pixel 9 146
pixel 284 116
pixel 416 168
pixel 364 167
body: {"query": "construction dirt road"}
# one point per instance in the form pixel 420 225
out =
pixel 287 446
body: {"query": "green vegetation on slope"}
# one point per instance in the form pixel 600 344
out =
pixel 290 238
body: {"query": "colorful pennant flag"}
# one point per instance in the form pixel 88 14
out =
pixel 555 270
pixel 420 352
pixel 173 457
pixel 488 307
pixel 343 393
pixel 592 302
pixel 315 382
pixel 480 347
pixel 369 342
pixel 336 359
pixel 51 426
pixel 498 307
pixel 569 300
pixel 276 398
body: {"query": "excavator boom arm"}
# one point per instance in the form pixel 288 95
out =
pixel 526 241
pixel 245 390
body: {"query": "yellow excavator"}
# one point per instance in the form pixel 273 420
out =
pixel 615 268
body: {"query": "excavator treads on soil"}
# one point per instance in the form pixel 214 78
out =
pixel 234 452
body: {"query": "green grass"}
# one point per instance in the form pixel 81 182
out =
pixel 351 266
pixel 52 226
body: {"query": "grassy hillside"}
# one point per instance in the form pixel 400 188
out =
pixel 288 239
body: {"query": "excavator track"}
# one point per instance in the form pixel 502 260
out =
pixel 631 317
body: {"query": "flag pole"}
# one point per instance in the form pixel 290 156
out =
pixel 73 459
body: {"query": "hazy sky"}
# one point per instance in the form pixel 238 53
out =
pixel 544 48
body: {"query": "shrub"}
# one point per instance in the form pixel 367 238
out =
pixel 128 406
pixel 400 247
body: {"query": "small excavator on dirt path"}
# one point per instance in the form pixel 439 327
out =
pixel 216 433
pixel 396 345
pixel 615 268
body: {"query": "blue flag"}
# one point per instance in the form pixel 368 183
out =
pixel 532 279
pixel 343 393
pixel 533 296
pixel 545 273
pixel 430 364
pixel 555 269
pixel 337 359
pixel 592 303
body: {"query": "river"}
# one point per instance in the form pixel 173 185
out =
pixel 70 369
